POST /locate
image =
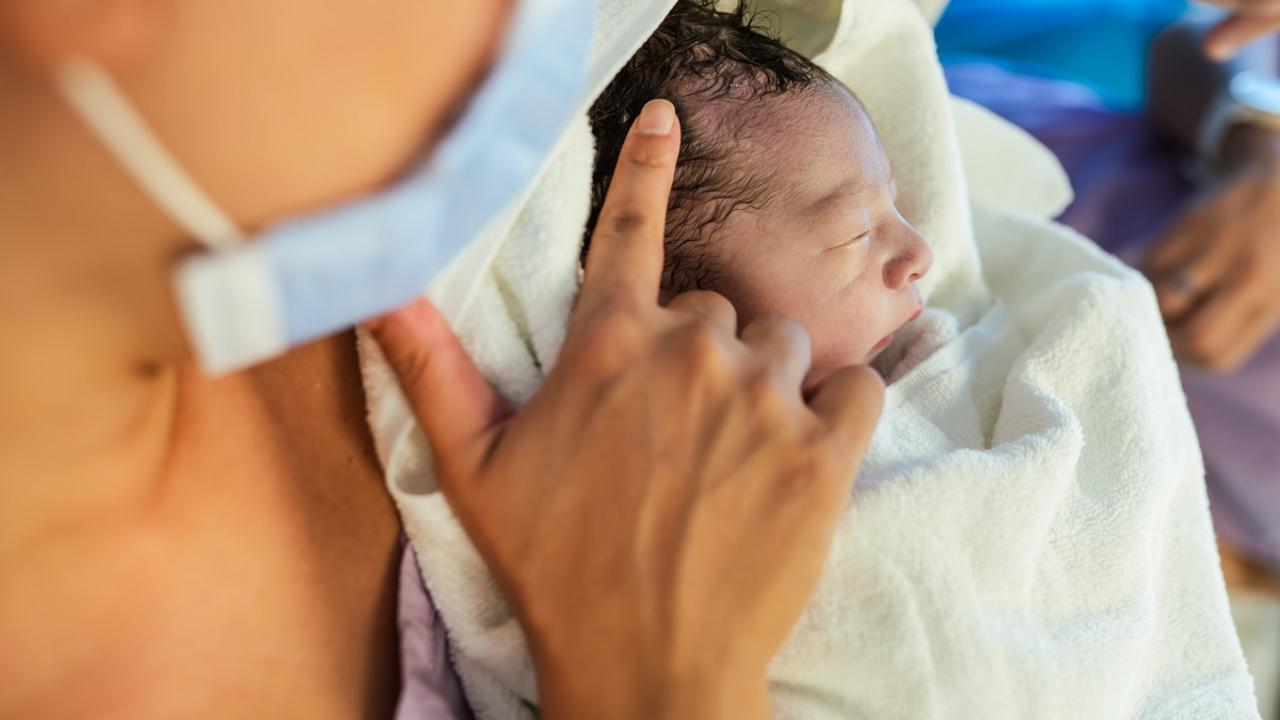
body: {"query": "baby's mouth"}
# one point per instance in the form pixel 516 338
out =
pixel 888 339
pixel 880 346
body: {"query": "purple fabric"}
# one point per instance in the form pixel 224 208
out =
pixel 430 689
pixel 1129 187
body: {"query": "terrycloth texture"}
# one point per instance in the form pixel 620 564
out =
pixel 1131 185
pixel 1030 535
pixel 932 331
pixel 989 149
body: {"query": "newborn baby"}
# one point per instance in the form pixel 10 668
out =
pixel 783 200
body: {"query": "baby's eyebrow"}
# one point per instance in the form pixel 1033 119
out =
pixel 846 190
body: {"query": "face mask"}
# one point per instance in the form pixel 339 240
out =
pixel 245 301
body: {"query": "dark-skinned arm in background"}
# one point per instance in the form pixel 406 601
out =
pixel 1217 269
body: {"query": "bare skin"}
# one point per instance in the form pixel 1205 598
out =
pixel 178 546
pixel 173 545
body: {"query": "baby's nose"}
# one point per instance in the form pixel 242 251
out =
pixel 910 262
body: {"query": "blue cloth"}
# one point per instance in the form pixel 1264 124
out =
pixel 1099 43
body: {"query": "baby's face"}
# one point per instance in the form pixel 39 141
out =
pixel 830 249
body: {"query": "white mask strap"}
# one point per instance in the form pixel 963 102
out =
pixel 94 96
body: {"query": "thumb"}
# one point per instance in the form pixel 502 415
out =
pixel 457 409
pixel 850 403
pixel 1231 35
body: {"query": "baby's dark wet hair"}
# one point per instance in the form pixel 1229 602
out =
pixel 714 67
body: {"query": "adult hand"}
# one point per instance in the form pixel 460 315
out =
pixel 658 513
pixel 1248 21
pixel 1217 273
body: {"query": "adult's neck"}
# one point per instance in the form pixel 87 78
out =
pixel 92 343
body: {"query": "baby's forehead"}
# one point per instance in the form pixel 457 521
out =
pixel 800 144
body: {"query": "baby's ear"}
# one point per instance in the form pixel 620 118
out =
pixel 117 34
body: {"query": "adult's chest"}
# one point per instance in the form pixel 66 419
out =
pixel 256 577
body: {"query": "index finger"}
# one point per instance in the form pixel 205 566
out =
pixel 625 258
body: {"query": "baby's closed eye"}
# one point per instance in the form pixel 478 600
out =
pixel 854 243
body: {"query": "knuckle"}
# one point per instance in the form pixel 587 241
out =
pixel 784 324
pixel 700 344
pixel 1267 257
pixel 611 338
pixel 1200 342
pixel 413 367
pixel 1220 365
pixel 704 300
pixel 600 357
pixel 624 222
pixel 1219 360
pixel 765 400
pixel 1254 271
pixel 781 333
pixel 701 350
pixel 767 325
pixel 709 306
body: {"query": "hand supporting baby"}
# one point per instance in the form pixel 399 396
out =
pixel 658 513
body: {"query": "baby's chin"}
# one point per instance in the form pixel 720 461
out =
pixel 819 374
pixel 880 346
pixel 821 371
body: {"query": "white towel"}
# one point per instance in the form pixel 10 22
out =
pixel 1030 535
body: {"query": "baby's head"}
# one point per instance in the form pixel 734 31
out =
pixel 783 199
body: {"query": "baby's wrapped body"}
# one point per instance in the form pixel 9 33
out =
pixel 1010 501
pixel 1029 535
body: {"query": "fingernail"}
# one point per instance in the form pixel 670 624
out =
pixel 879 375
pixel 657 118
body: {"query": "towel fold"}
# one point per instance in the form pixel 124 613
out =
pixel 1029 536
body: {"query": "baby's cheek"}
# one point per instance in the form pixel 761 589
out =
pixel 841 319
pixel 831 354
pixel 841 341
